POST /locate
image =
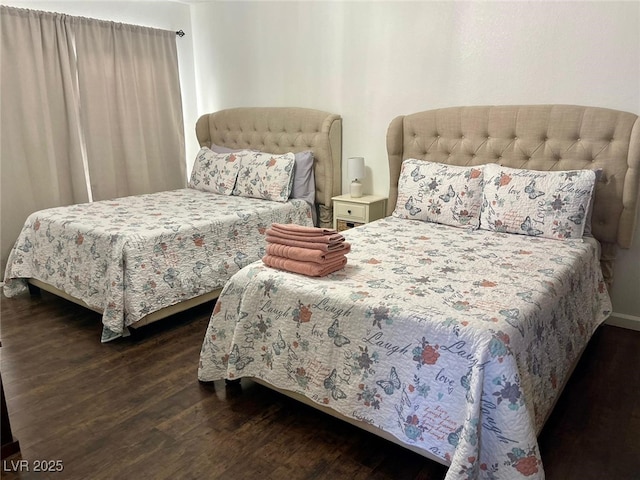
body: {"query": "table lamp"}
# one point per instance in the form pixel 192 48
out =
pixel 356 173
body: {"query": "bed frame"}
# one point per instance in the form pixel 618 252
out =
pixel 539 137
pixel 268 129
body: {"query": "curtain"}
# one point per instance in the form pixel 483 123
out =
pixel 131 109
pixel 89 110
pixel 41 161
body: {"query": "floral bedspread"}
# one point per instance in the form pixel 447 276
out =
pixel 131 256
pixel 456 342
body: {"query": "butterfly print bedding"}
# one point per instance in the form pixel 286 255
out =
pixel 436 335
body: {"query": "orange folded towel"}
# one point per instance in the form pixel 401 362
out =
pixel 306 254
pixel 325 247
pixel 310 269
pixel 329 238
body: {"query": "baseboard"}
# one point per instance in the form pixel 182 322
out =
pixel 623 320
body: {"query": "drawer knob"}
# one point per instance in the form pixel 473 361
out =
pixel 349 212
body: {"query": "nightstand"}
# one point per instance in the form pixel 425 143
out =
pixel 349 212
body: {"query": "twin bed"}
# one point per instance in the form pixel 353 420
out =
pixel 458 318
pixel 142 258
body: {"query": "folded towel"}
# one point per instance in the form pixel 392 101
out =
pixel 301 229
pixel 325 247
pixel 306 254
pixel 305 268
pixel 329 238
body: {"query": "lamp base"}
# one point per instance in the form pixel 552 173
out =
pixel 355 189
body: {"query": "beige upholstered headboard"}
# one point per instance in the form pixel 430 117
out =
pixel 537 137
pixel 281 130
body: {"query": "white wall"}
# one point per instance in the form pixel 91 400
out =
pixel 166 15
pixel 371 61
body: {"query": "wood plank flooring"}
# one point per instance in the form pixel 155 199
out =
pixel 133 409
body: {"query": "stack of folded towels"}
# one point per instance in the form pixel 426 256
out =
pixel 311 251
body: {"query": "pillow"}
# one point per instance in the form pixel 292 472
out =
pixel 304 183
pixel 587 222
pixel 439 193
pixel 531 202
pixel 218 149
pixel 215 172
pixel 266 176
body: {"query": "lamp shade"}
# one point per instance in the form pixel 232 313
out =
pixel 356 168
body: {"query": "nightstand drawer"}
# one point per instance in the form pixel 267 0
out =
pixel 350 211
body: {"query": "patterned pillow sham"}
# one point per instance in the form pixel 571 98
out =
pixel 439 193
pixel 266 176
pixel 547 204
pixel 215 172
pixel 304 183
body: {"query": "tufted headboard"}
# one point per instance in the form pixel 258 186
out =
pixel 281 130
pixel 536 137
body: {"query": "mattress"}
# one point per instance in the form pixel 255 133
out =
pixel 131 256
pixel 455 342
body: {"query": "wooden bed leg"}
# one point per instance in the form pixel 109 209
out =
pixel 33 290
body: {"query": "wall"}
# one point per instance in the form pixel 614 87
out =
pixel 372 61
pixel 165 15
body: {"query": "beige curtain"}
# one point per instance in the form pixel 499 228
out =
pixel 88 110
pixel 40 154
pixel 131 108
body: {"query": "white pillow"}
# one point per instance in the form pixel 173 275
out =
pixel 266 176
pixel 439 193
pixel 549 204
pixel 215 172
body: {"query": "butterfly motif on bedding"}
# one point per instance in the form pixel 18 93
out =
pixel 531 190
pixel 279 345
pixel 446 197
pixel 392 384
pixel 578 217
pixel 511 316
pixel 170 277
pixel 333 331
pixel 198 268
pixel 528 297
pixel 411 207
pixel 238 360
pixel 256 180
pixel 527 227
pixel 415 174
pixel 240 258
pixel 26 246
pixel 330 384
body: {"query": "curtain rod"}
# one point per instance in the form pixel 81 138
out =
pixel 180 33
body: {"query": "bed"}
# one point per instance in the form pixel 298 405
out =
pixel 459 317
pixel 142 258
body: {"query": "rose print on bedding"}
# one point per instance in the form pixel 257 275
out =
pixel 425 353
pixel 525 462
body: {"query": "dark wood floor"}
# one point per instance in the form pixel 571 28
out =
pixel 134 409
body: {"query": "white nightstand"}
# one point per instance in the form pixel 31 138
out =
pixel 350 212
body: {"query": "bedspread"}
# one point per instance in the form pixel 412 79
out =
pixel 131 256
pixel 455 342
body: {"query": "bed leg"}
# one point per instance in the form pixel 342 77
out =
pixel 33 290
